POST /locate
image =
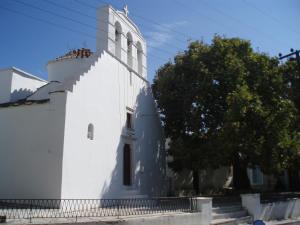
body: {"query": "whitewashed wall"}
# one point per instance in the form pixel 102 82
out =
pixel 66 69
pixel 94 168
pixel 5 85
pixel 272 211
pixel 46 150
pixel 23 86
pixel 16 84
pixel 31 138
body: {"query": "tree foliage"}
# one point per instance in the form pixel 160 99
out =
pixel 221 100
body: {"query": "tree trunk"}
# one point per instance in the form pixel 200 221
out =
pixel 196 181
pixel 240 176
pixel 294 182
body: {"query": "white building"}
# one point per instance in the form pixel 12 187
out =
pixel 92 130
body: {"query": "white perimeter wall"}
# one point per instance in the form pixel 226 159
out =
pixel 15 85
pixel 66 69
pixel 31 140
pixel 5 85
pixel 94 168
pixel 22 86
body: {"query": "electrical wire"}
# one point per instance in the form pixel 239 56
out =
pixel 83 24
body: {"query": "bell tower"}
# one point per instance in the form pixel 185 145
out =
pixel 119 36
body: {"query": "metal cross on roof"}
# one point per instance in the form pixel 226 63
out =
pixel 126 11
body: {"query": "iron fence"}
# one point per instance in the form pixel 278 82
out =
pixel 74 208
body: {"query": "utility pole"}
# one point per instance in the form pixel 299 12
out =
pixel 290 56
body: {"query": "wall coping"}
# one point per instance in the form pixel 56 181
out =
pixel 203 199
pixel 249 194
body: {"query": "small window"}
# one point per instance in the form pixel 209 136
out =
pixel 90 134
pixel 129 120
pixel 127 165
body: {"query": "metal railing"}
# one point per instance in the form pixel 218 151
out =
pixel 75 208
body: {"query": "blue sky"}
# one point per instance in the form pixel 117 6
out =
pixel 28 43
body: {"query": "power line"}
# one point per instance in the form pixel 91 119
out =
pixel 79 22
pixel 275 19
pixel 66 28
pixel 197 12
pixel 270 37
pixel 239 21
pixel 48 22
pixel 94 18
pixel 69 9
pixel 150 21
pixel 56 25
pixel 54 14
pixel 141 25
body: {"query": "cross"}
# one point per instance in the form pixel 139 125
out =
pixel 126 10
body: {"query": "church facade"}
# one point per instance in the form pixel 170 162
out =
pixel 92 130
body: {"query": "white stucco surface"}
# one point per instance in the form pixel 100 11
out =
pixel 45 91
pixel 5 85
pixel 16 84
pixel 45 149
pixel 67 69
pixel 95 166
pixel 272 211
pixel 31 138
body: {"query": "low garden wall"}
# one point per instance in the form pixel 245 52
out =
pixel 278 210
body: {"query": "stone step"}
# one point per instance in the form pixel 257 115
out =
pixel 284 222
pixel 227 215
pixel 227 209
pixel 230 221
pixel 245 220
pixel 233 221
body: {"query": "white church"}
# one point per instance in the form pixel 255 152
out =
pixel 92 130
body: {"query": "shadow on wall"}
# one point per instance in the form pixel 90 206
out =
pixel 210 181
pixel 290 208
pixel 20 94
pixel 148 164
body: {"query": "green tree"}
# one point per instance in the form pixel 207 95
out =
pixel 290 73
pixel 224 104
